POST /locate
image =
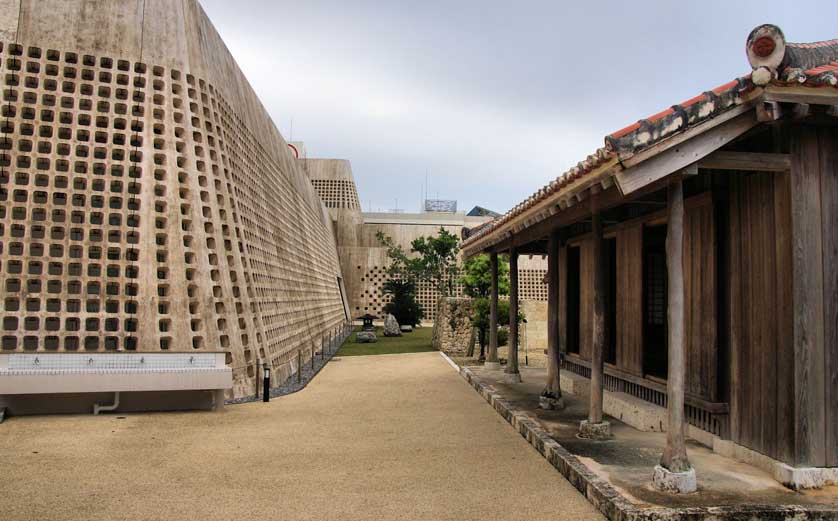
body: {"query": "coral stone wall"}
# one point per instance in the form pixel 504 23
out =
pixel 147 201
pixel 453 332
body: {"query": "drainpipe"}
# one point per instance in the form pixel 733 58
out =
pixel 97 408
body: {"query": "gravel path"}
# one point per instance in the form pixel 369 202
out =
pixel 296 382
pixel 372 438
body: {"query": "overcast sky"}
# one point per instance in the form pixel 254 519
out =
pixel 492 99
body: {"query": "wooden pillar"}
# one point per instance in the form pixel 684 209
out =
pixel 513 375
pixel 553 388
pixel 598 322
pixel 675 453
pixel 492 355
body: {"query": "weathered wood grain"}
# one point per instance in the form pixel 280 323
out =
pixel 512 363
pixel 828 145
pixel 807 240
pixel 675 454
pixel 685 154
pixel 553 386
pixel 630 298
pixel 751 161
pixel 597 329
pixel 492 353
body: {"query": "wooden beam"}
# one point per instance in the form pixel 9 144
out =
pixel 675 453
pixel 684 155
pixel 492 354
pixel 553 388
pixel 512 363
pixel 598 322
pixel 809 329
pixel 753 161
pixel 805 95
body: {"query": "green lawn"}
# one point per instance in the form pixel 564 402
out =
pixel 417 342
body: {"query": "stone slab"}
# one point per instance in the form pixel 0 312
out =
pixel 613 502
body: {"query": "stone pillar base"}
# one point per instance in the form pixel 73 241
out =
pixel 512 378
pixel 674 482
pixel 550 404
pixel 595 431
pixel 492 366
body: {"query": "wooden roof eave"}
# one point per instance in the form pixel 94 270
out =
pixel 554 204
pixel 633 173
pixel 687 148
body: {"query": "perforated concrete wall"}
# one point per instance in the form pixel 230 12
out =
pixel 147 202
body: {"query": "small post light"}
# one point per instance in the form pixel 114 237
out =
pixel 266 383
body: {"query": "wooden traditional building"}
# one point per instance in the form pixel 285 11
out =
pixel 693 262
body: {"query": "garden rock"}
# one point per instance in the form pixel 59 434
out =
pixel 365 337
pixel 406 328
pixel 391 326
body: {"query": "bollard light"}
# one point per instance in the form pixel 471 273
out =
pixel 266 384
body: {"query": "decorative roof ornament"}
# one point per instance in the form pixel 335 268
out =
pixel 766 48
pixel 773 61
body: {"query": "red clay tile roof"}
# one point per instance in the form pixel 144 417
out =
pixel 774 61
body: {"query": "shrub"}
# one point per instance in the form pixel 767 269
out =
pixel 403 305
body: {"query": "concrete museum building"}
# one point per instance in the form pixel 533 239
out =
pixel 157 233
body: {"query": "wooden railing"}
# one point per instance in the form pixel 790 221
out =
pixel 709 416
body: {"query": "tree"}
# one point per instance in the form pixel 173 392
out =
pixel 432 259
pixel 477 276
pixel 403 305
pixel 477 283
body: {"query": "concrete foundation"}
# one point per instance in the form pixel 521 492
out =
pixel 616 476
pixel 674 482
pixel 550 404
pixel 82 403
pixel 595 431
pixel 512 378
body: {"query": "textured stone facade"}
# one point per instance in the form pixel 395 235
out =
pixel 147 201
pixel 364 261
pixel 453 332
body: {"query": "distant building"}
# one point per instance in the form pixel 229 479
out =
pixel 479 211
pixel 440 206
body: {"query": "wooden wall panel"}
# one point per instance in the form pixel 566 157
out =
pixel 808 297
pixel 586 298
pixel 563 299
pixel 630 299
pixel 828 146
pixel 760 312
pixel 700 297
pixel 785 322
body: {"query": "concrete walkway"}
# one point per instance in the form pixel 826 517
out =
pixel 372 437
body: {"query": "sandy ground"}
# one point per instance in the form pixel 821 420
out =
pixel 372 437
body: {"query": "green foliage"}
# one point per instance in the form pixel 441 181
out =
pixel 480 320
pixel 477 276
pixel 503 336
pixel 477 281
pixel 432 259
pixel 403 305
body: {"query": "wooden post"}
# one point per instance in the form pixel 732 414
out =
pixel 675 454
pixel 598 322
pixel 512 373
pixel 492 355
pixel 551 397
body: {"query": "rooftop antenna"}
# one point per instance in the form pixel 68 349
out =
pixel 427 187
